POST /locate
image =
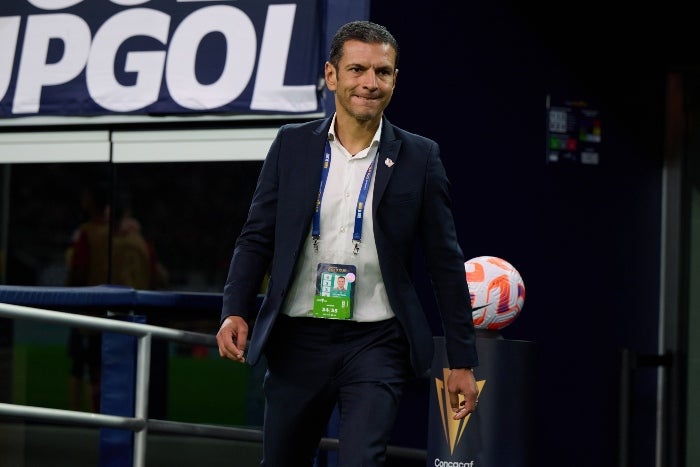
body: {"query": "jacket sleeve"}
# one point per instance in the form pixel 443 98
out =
pixel 254 247
pixel 445 264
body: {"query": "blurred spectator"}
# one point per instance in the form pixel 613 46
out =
pixel 133 263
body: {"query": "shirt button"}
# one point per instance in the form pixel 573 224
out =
pixel 342 229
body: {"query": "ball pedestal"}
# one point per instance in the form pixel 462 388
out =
pixel 502 430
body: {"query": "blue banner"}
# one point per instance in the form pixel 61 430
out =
pixel 160 57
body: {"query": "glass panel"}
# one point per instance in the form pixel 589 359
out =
pixel 190 214
pixel 43 210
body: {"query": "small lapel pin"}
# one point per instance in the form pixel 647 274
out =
pixel 388 162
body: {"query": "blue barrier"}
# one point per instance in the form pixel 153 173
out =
pixel 106 296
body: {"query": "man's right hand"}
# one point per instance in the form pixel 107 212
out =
pixel 232 338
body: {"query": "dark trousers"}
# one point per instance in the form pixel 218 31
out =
pixel 316 363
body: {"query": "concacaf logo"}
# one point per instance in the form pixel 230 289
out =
pixel 453 429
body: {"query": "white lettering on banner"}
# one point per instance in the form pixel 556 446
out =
pixel 60 4
pixel 34 73
pixel 175 64
pixel 239 32
pixel 54 4
pixel 441 463
pixel 102 85
pixel 9 30
pixel 129 2
pixel 269 88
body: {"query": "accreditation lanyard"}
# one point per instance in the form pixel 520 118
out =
pixel 359 209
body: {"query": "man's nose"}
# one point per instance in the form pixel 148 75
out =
pixel 370 79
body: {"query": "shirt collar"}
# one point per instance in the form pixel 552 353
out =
pixel 375 140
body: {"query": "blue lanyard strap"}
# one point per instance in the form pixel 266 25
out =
pixel 361 200
pixel 360 209
pixel 316 230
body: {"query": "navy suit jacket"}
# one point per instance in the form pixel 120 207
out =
pixel 411 203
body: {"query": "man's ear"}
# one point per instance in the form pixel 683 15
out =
pixel 331 75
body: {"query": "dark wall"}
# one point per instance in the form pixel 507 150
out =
pixel 585 238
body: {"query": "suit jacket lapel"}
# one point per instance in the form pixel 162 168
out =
pixel 388 156
pixel 312 160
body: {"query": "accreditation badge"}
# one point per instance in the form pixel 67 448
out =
pixel 335 291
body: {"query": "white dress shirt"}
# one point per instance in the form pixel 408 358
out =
pixel 335 245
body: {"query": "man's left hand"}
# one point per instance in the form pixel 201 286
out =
pixel 461 382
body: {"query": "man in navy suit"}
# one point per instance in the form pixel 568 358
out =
pixel 347 196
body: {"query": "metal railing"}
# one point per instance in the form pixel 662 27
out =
pixel 140 424
pixel 630 362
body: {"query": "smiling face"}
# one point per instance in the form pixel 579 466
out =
pixel 363 81
pixel 340 282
